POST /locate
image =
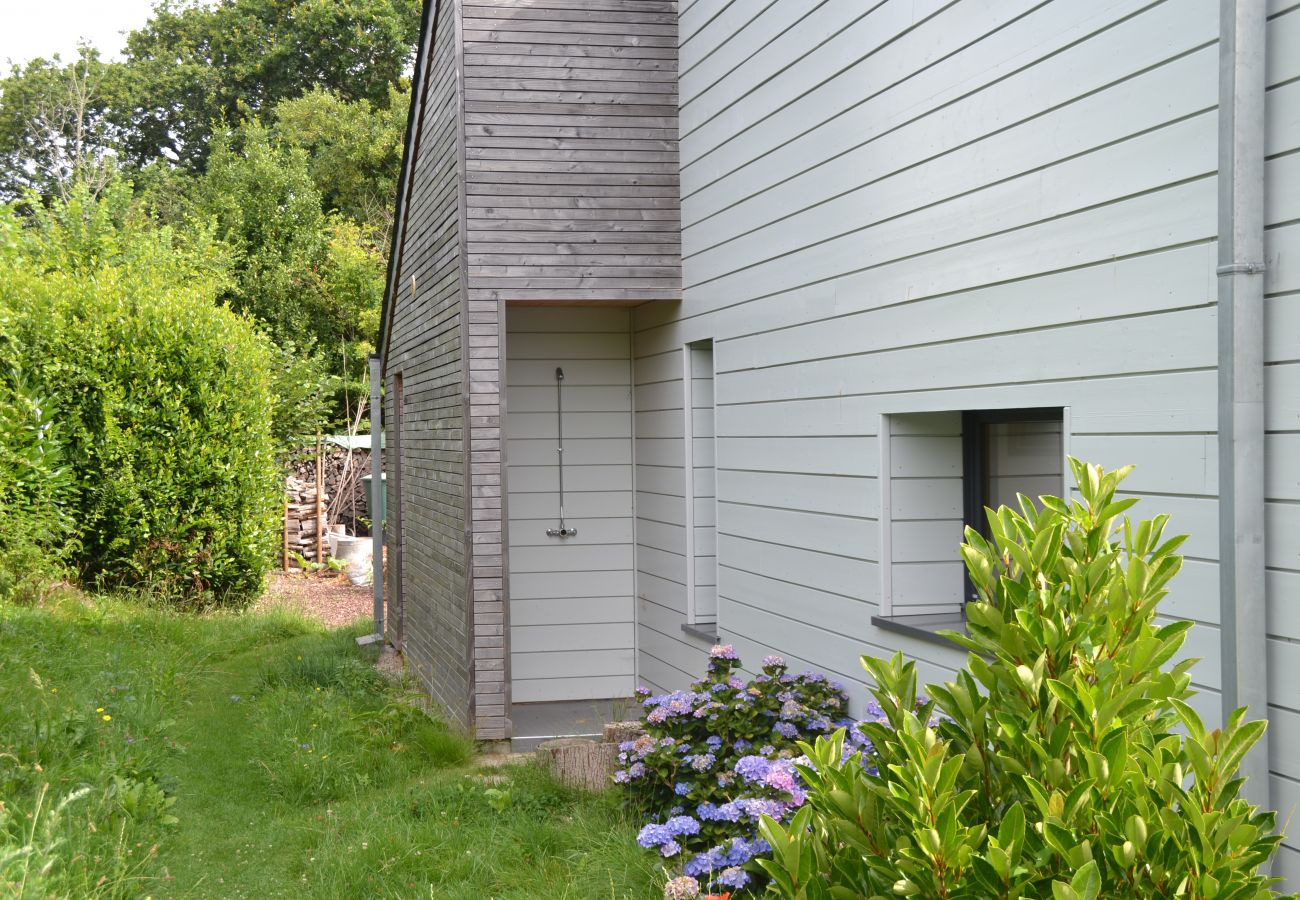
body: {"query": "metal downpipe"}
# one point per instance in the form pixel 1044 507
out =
pixel 1240 273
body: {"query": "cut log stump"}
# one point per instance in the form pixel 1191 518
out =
pixel 618 732
pixel 579 763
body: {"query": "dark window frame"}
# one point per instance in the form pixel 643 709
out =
pixel 975 470
pixel 975 497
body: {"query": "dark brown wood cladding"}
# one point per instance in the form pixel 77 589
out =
pixel 571 174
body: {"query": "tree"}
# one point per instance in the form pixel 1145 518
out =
pixel 55 127
pixel 268 212
pixel 354 150
pixel 314 280
pixel 194 64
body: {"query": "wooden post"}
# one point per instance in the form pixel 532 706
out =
pixel 320 506
pixel 286 532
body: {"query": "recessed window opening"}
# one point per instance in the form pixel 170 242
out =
pixel 939 472
pixel 1008 452
pixel 701 493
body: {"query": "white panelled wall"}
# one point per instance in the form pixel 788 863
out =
pixel 929 207
pixel 571 631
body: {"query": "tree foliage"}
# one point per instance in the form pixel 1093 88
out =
pixel 192 267
pixel 195 64
pixel 353 150
pixel 56 130
pixel 281 121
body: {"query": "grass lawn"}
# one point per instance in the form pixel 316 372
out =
pixel 146 753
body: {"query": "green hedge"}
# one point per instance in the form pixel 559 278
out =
pixel 162 399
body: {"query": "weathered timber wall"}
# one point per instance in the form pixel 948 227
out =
pixel 571 150
pixel 427 485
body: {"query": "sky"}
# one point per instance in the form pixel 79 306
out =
pixel 32 28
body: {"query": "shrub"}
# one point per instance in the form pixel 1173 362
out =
pixel 1068 763
pixel 717 756
pixel 161 397
pixel 35 486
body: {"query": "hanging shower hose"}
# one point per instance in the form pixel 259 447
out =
pixel 563 531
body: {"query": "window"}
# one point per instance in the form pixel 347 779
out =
pixel 701 503
pixel 939 472
pixel 1007 452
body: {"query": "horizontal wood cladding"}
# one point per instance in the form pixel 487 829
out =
pixel 571 167
pixel 425 351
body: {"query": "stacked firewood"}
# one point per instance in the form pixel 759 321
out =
pixel 345 492
pixel 302 515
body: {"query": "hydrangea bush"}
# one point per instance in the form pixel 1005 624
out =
pixel 717 757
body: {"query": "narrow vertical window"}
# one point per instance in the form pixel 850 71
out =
pixel 701 504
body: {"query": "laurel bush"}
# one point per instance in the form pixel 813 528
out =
pixel 1066 761
pixel 158 399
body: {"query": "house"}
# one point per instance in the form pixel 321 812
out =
pixel 798 287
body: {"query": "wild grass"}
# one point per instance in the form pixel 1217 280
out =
pixel 145 752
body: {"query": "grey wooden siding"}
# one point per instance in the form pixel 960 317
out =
pixel 571 150
pixel 924 521
pixel 571 631
pixel 425 350
pixel 930 206
pixel 1282 417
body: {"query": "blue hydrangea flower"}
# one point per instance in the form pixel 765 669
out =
pixel 670 848
pixel 679 826
pixel 752 768
pixel 703 762
pixel 785 729
pixel 714 741
pixel 698 865
pixel 733 877
pixel 682 788
pixel 653 835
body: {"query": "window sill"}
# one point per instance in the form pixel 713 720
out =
pixel 924 627
pixel 706 631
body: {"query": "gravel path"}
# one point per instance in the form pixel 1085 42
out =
pixel 332 599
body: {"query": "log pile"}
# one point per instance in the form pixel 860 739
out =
pixel 300 520
pixel 346 494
